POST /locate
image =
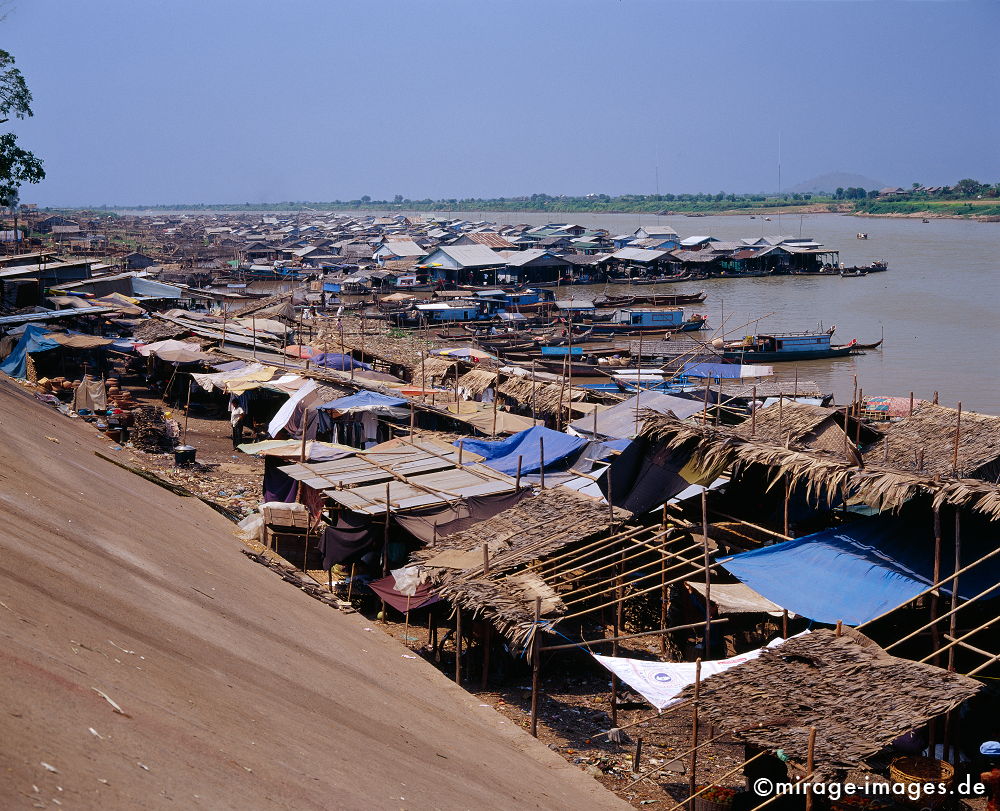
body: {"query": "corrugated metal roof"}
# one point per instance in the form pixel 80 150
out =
pixel 638 255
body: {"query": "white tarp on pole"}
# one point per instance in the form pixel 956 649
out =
pixel 661 682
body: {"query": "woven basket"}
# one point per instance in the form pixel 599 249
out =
pixel 701 804
pixel 914 769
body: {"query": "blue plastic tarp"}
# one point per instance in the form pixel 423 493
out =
pixel 723 371
pixel 334 360
pixel 35 338
pixel 503 455
pixel 363 401
pixel 859 571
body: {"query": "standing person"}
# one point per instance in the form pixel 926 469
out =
pixel 990 777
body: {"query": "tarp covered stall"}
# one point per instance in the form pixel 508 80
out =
pixel 367 401
pixel 529 446
pixel 34 339
pixel 859 571
pixel 726 371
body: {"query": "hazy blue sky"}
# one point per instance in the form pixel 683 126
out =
pixel 240 100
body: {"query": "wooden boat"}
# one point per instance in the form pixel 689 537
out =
pixel 789 346
pixel 646 321
pixel 853 273
pixel 671 299
pixel 875 345
pixel 861 235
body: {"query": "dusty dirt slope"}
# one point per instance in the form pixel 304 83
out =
pixel 238 691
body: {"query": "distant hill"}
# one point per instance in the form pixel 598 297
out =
pixel 831 181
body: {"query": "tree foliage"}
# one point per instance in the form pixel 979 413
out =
pixel 17 165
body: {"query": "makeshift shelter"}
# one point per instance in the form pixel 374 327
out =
pixel 487 419
pixel 34 339
pixel 535 528
pixel 527 451
pixel 334 360
pixel 475 383
pixel 354 420
pixel 857 697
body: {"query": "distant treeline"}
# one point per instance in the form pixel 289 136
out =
pixel 966 197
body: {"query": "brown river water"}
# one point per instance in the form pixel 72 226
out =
pixel 937 305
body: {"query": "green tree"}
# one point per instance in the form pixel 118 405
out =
pixel 17 165
pixel 968 187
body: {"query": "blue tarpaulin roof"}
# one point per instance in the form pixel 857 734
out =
pixel 857 572
pixel 334 360
pixel 503 455
pixel 34 339
pixel 363 400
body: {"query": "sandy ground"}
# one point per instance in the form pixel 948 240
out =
pixel 146 663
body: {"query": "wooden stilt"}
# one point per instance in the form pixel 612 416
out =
pixel 693 765
pixel 958 435
pixel 784 623
pixel 952 626
pixel 637 757
pixel 536 666
pixel 517 477
pixel 810 763
pixel 935 596
pixel 541 462
pixel 708 574
pixel 458 644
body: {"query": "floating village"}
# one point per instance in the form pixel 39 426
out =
pixel 541 469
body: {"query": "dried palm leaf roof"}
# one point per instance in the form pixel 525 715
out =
pixel 476 381
pixel 803 424
pixel 858 697
pixel 824 474
pixel 927 437
pixel 543 398
pixel 536 527
pixel 431 370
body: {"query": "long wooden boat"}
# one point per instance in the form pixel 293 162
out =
pixel 780 347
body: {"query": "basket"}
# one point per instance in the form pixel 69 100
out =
pixel 719 804
pixel 915 769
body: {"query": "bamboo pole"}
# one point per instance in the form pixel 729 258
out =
pixel 935 631
pixel 810 754
pixel 517 477
pixel 958 434
pixel 692 775
pixel 536 667
pixel 541 460
pixel 708 573
pixel 580 594
pixel 983 593
pixel 458 644
pixel 959 640
pixel 608 639
pixel 952 626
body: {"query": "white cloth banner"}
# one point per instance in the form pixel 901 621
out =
pixel 661 682
pixel 284 415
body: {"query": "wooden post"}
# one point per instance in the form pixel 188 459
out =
pixel 810 761
pixel 753 412
pixel 541 458
pixel 385 546
pixel 958 434
pixel 693 766
pixel 857 421
pixel 638 387
pixel 253 330
pixel 784 623
pixel 494 434
pixel 534 417
pixel 704 408
pixel 423 376
pixel 487 629
pixel 461 448
pixel 708 573
pixel 225 317
pixel 614 644
pixel 458 644
pixel 536 666
pixel 663 602
pixel 952 626
pixel 840 628
pixel 788 495
pixel 911 405
pixel 935 400
pixel 637 756
pixel 187 411
pixel 517 478
pixel 935 630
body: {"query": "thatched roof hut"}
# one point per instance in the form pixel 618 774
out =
pixel 474 383
pixel 804 425
pixel 533 529
pixel 544 398
pixel 925 441
pixel 858 697
pixel 824 474
pixel 431 371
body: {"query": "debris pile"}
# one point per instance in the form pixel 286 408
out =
pixel 150 431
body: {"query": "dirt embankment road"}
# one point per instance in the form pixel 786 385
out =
pixel 146 663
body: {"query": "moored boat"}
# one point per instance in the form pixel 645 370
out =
pixel 649 321
pixel 789 346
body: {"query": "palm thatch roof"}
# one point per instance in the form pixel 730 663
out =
pixel 824 474
pixel 925 441
pixel 475 382
pixel 858 697
pixel 543 398
pixel 533 529
pixel 802 424
pixel 431 371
